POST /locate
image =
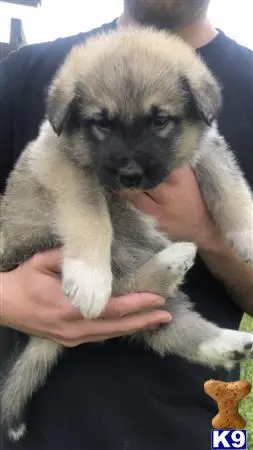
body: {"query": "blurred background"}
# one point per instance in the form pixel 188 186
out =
pixel 46 20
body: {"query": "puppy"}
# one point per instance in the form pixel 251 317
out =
pixel 123 111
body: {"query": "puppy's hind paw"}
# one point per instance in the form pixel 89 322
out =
pixel 179 257
pixel 17 432
pixel 226 350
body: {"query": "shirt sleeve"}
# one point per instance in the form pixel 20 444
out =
pixel 11 70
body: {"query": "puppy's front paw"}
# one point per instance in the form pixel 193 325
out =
pixel 88 288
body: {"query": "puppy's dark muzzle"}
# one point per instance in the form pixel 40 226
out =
pixel 131 176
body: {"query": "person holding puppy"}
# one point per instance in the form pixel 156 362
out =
pixel 118 395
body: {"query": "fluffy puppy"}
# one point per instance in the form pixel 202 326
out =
pixel 123 111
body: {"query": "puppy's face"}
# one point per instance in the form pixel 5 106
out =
pixel 133 111
pixel 132 152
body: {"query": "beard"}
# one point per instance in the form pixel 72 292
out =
pixel 172 14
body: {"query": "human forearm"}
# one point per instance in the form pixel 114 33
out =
pixel 32 301
pixel 225 265
pixel 181 213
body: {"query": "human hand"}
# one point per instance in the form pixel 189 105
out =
pixel 178 208
pixel 33 302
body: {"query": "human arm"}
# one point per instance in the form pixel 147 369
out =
pixel 32 301
pixel 6 123
pixel 12 74
pixel 181 213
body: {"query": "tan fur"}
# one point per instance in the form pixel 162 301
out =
pixel 86 65
pixel 54 198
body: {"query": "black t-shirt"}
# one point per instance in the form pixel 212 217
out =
pixel 119 396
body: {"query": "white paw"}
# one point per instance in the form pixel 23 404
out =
pixel 242 243
pixel 227 349
pixel 15 434
pixel 88 288
pixel 180 256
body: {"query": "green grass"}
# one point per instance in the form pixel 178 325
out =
pixel 246 408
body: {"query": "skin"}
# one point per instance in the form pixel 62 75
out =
pixel 187 219
pixel 196 30
pixel 169 14
pixel 32 301
pixel 28 308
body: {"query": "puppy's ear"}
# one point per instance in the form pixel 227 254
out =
pixel 204 95
pixel 60 104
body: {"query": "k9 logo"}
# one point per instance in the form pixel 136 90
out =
pixel 225 439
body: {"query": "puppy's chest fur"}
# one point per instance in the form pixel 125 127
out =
pixel 135 239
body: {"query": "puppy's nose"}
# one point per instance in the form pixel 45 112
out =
pixel 131 175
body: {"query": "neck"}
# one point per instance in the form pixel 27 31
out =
pixel 198 34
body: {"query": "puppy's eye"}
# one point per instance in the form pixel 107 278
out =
pixel 103 124
pixel 160 122
pixel 101 128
